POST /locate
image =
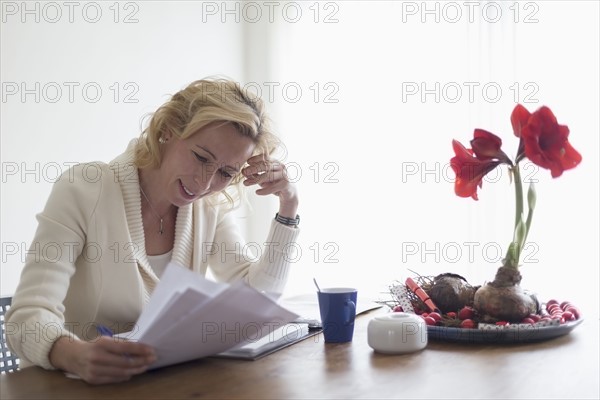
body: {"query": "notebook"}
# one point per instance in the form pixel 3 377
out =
pixel 280 338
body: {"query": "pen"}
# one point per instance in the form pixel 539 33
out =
pixel 104 330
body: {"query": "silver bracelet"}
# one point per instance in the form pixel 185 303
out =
pixel 287 221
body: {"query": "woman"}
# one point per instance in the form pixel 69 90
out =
pixel 109 230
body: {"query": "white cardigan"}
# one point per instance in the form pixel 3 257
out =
pixel 87 264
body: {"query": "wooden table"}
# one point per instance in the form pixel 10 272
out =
pixel 562 368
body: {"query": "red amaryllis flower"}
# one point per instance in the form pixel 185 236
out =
pixel 469 170
pixel 486 146
pixel 519 118
pixel 543 140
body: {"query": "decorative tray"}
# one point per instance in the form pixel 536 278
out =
pixel 515 334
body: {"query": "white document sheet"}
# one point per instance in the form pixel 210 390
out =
pixel 189 317
pixel 173 282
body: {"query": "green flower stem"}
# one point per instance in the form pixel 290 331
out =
pixel 521 229
pixel 520 232
pixel 518 194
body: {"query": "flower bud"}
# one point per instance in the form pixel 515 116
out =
pixel 531 196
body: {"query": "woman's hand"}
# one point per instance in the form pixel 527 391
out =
pixel 272 178
pixel 106 360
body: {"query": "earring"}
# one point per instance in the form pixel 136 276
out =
pixel 162 140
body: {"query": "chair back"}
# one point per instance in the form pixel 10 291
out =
pixel 8 361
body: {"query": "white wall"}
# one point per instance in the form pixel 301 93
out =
pixel 136 65
pixel 388 206
pixel 371 160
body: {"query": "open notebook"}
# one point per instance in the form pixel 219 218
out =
pixel 277 340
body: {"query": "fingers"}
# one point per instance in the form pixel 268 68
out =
pixel 272 187
pixel 260 170
pixel 272 178
pixel 125 354
pixel 110 360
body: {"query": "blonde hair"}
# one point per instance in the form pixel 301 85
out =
pixel 199 104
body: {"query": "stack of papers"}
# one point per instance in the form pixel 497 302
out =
pixel 190 317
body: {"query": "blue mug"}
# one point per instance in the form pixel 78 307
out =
pixel 338 310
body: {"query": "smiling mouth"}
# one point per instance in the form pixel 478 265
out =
pixel 185 189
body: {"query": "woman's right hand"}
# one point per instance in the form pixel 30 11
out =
pixel 105 360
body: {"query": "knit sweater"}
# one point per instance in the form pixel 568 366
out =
pixel 87 264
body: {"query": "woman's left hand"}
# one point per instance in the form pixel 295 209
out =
pixel 272 178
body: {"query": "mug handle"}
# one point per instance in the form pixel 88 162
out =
pixel 352 315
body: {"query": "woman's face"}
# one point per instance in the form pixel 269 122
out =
pixel 204 163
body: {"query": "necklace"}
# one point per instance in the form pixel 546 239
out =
pixel 160 230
